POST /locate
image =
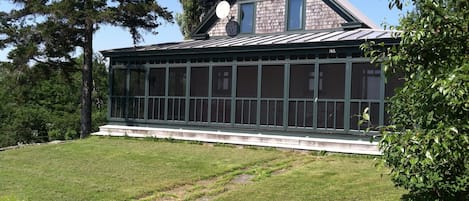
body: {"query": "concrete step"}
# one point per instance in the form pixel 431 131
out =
pixel 256 139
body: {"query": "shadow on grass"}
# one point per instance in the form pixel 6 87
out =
pixel 430 196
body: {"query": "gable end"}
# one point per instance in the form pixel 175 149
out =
pixel 271 17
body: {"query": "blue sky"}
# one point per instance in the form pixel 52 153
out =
pixel 115 37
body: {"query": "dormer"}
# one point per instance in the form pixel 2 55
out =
pixel 282 16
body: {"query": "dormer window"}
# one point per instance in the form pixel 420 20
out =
pixel 246 16
pixel 295 14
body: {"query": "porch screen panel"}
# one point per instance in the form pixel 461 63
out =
pixel 331 94
pixel 393 83
pixel 198 107
pixel 246 95
pixel 177 92
pixel 136 99
pixel 272 95
pixel 221 95
pixel 118 96
pixel 365 90
pixel 157 85
pixel 301 96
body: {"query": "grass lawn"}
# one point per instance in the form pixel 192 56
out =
pixel 140 169
pixel 326 178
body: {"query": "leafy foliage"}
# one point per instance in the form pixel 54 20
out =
pixel 48 32
pixel 428 142
pixel 193 12
pixel 41 104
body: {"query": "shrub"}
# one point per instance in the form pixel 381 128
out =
pixel 427 145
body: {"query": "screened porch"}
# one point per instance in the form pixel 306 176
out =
pixel 285 93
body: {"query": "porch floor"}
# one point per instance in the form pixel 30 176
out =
pixel 318 142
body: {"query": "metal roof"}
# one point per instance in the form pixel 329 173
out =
pixel 260 41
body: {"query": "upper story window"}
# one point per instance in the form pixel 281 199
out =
pixel 246 16
pixel 295 14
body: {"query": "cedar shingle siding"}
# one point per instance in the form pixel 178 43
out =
pixel 219 28
pixel 320 16
pixel 270 17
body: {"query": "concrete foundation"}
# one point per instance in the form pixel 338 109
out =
pixel 303 143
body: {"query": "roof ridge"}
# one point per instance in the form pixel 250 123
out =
pixel 379 29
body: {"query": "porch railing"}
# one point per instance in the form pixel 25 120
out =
pixel 176 109
pixel 357 107
pixel 271 112
pixel 221 110
pixel 303 113
pixel 330 114
pixel 246 111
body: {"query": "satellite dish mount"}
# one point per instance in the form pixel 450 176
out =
pixel 223 11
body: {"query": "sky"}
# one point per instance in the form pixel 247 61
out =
pixel 116 37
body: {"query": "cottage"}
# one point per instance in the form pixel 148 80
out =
pixel 290 70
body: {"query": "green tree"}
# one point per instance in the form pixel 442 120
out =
pixel 427 145
pixel 191 17
pixel 6 107
pixel 40 103
pixel 48 32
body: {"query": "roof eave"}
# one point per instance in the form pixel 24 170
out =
pixel 247 49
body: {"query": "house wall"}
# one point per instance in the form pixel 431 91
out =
pixel 219 28
pixel 320 16
pixel 271 17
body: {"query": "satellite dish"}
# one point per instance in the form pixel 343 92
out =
pixel 223 9
pixel 232 28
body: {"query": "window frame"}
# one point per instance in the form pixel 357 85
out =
pixel 254 9
pixel 287 16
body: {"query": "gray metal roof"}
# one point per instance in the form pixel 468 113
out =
pixel 308 38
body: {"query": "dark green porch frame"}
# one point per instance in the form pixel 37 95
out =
pixel 287 62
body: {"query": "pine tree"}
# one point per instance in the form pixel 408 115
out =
pixel 193 12
pixel 48 31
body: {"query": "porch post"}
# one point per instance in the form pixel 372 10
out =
pixel 316 93
pixel 209 99
pixel 348 84
pixel 188 91
pixel 234 77
pixel 259 94
pixel 381 96
pixel 110 87
pixel 127 92
pixel 147 87
pixel 286 92
pixel 166 91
